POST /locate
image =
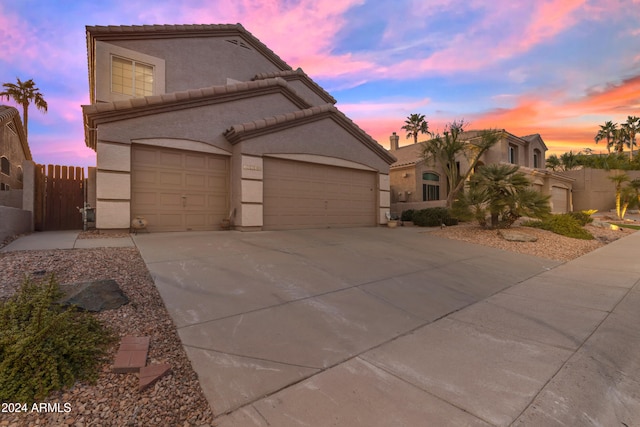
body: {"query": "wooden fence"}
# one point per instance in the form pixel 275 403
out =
pixel 59 192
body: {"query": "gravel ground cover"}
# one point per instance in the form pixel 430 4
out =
pixel 549 245
pixel 175 400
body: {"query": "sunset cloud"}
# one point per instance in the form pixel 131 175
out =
pixel 555 67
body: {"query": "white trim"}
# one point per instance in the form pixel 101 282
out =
pixel 323 160
pixel 181 144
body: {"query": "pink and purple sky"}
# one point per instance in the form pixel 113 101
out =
pixel 559 68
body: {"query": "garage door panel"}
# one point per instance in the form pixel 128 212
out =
pixel 196 181
pixel 306 195
pixel 172 159
pixel 178 190
pixel 170 179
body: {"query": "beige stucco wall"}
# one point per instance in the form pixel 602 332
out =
pixel 306 93
pixel 197 62
pixel 593 189
pixel 321 138
pixel 11 148
pixel 204 124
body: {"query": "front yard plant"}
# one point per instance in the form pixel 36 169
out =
pixel 563 224
pixel 499 195
pixel 45 347
pixel 433 217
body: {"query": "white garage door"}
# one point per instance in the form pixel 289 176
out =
pixel 177 190
pixel 308 195
pixel 559 199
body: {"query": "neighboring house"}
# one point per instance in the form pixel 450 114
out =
pixel 416 184
pixel 14 150
pixel 196 124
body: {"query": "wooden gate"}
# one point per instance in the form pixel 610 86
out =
pixel 59 193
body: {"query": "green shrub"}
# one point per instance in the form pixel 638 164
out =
pixel 433 217
pixel 563 224
pixel 44 347
pixel 582 217
pixel 407 215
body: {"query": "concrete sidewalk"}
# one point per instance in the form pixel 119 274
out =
pixel 379 327
pixel 68 239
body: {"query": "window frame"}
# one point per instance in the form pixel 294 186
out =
pixel 134 64
pixel 430 186
pixel 5 166
pixel 513 154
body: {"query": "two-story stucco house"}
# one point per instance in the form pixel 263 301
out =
pixel 196 124
pixel 416 184
pixel 14 150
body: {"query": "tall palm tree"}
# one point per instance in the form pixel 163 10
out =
pixel 620 139
pixel 607 132
pixel 414 125
pixel 24 93
pixel 631 127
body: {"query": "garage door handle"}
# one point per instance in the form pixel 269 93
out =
pixel 184 201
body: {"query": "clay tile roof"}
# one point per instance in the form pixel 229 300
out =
pixel 124 32
pixel 298 74
pixel 236 132
pixel 177 98
pixel 407 155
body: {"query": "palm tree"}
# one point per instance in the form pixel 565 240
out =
pixel 620 139
pixel 607 132
pixel 414 125
pixel 503 192
pixel 631 127
pixel 24 93
pixel 447 149
pixel 569 160
pixel 618 180
pixel 553 163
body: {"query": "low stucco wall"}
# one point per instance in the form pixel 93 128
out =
pixel 593 189
pixel 14 221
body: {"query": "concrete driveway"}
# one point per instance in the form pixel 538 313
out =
pixel 380 327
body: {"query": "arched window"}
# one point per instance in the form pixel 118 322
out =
pixel 537 157
pixel 430 188
pixel 5 166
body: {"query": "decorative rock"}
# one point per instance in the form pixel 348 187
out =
pixel 152 373
pixel 94 296
pixel 132 355
pixel 516 236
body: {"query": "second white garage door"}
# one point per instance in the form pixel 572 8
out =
pixel 178 190
pixel 307 195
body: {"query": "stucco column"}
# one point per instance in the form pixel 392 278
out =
pixel 29 188
pixel 251 193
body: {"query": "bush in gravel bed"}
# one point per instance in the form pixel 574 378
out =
pixel 433 217
pixel 44 347
pixel 563 224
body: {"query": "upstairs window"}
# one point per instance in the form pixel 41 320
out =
pixel 5 166
pixel 536 158
pixel 131 77
pixel 513 154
